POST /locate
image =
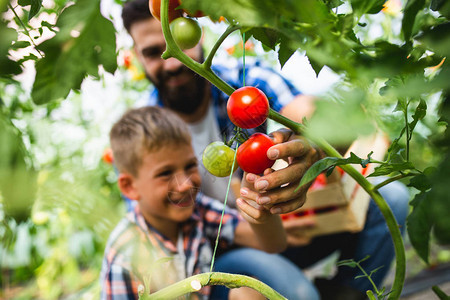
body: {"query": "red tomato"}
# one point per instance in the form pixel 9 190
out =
pixel 155 9
pixel 248 107
pixel 107 156
pixel 252 157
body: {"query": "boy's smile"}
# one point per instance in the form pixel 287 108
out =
pixel 166 185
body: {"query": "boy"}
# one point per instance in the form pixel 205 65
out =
pixel 158 169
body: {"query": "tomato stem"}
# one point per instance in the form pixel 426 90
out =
pixel 231 28
pixel 187 285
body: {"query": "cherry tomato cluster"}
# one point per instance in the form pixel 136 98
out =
pixel 248 107
pixel 251 156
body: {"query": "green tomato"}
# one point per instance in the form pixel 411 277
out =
pixel 218 159
pixel 186 32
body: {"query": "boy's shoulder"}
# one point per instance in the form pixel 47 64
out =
pixel 121 240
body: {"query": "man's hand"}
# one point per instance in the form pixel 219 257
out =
pixel 276 189
pixel 251 211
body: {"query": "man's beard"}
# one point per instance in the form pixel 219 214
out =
pixel 184 99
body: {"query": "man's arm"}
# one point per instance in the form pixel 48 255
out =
pixel 260 229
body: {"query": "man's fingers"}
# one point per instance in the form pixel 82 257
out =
pixel 295 148
pixel 281 135
pixel 281 177
pixel 249 208
pixel 288 206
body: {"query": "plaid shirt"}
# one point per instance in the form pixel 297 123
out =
pixel 278 90
pixel 136 251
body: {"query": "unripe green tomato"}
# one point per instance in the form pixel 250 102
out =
pixel 218 159
pixel 186 32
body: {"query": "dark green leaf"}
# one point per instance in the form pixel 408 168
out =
pixel 20 44
pixel 420 182
pixel 440 204
pixel 443 6
pixel 361 7
pixel 318 168
pixel 7 37
pixel 438 39
pixel 268 37
pixel 68 60
pixel 35 7
pixel 24 2
pixel 331 162
pixel 285 51
pixel 419 225
pixel 419 114
pixel 410 12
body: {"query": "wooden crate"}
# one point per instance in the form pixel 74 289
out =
pixel 340 204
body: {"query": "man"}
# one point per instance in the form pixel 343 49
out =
pixel 203 107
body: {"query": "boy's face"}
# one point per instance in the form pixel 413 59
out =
pixel 166 184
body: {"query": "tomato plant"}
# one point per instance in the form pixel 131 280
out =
pixel 252 154
pixel 218 159
pixel 248 107
pixel 186 32
pixel 155 9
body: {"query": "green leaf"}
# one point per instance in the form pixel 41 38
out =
pixel 285 51
pixel 412 7
pixel 420 182
pixel 331 162
pixel 268 37
pixel 35 7
pixel 7 37
pixel 419 224
pixel 419 114
pixel 347 262
pixel 361 7
pixel 438 39
pixel 440 204
pixel 20 44
pixel 68 60
pixel 340 123
pixel 443 6
pixel 388 168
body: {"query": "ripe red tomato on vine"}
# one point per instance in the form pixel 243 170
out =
pixel 252 157
pixel 248 107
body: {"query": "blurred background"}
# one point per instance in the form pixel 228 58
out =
pixel 59 199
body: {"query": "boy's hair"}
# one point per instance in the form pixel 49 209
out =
pixel 143 130
pixel 135 11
